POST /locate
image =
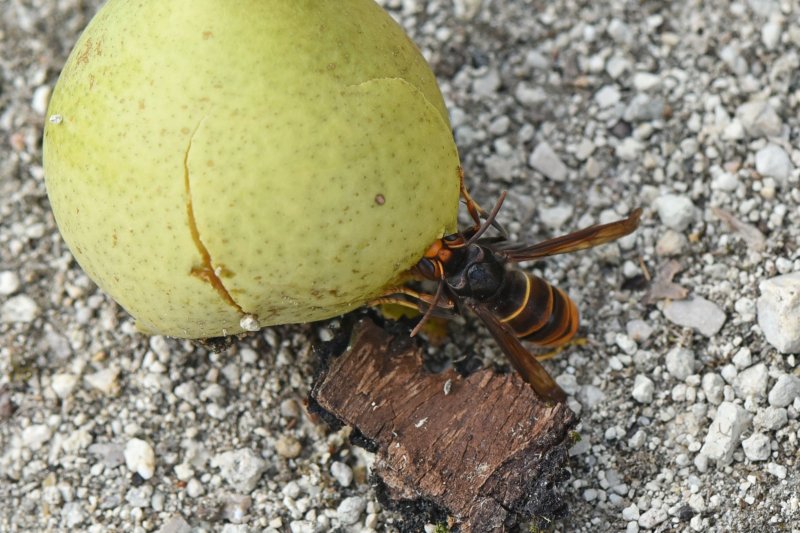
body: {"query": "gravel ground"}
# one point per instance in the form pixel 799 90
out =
pixel 687 387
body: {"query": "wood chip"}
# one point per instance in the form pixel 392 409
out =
pixel 484 447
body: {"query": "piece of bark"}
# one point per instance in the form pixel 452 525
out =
pixel 484 447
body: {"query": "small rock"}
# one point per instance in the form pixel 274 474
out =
pixel 289 409
pixel 194 489
pixel 110 454
pixel 696 312
pixel 241 468
pixel 680 363
pixel 644 81
pixel 628 149
pixel 591 396
pixel 723 434
pixel 9 282
pixel 139 496
pixel 140 458
pixel 487 85
pixel 713 387
pixel 771 34
pixel 756 447
pixel 104 380
pixel 671 243
pixel 20 308
pixel 759 119
pixel 72 515
pixel 236 508
pixel 555 217
pixel 643 107
pixel 675 211
pixel 349 511
pixel 176 524
pixel 643 389
pixel 638 330
pixel 772 161
pixel 63 384
pixel 545 160
pixel 288 447
pixel 779 311
pixel 568 382
pixel 652 517
pixel 530 96
pixel 607 96
pixel 342 473
pixel 725 181
pixel 630 513
pixel 743 358
pixel 34 437
pixel 779 471
pixel 752 382
pixel 771 418
pixel 785 390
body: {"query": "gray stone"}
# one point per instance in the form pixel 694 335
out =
pixel 723 435
pixel 759 119
pixel 680 362
pixel 785 390
pixel 349 511
pixel 545 160
pixel 643 389
pixel 697 313
pixel 713 387
pixel 752 382
pixel 676 212
pixel 756 447
pixel 772 161
pixel 779 311
pixel 20 308
pixel 241 468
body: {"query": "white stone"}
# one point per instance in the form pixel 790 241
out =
pixel 697 313
pixel 676 212
pixel 9 282
pixel 20 308
pixel 779 311
pixel 241 468
pixel 34 436
pixel 713 387
pixel 785 390
pixel 630 513
pixel 104 380
pixel 652 517
pixel 752 382
pixel 779 471
pixel 349 511
pixel 772 161
pixel 770 418
pixel 643 389
pixel 724 433
pixel 759 119
pixel 607 96
pixel 342 473
pixel 41 97
pixel 140 458
pixel 644 81
pixel 63 384
pixel 680 362
pixel 638 330
pixel 555 217
pixel 756 447
pixel 546 161
pixel 771 34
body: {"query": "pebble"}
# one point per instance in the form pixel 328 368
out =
pixel 176 524
pixel 643 389
pixel 9 282
pixel 723 434
pixel 697 313
pixel 236 507
pixel 242 468
pixel 680 363
pixel 772 161
pixel 756 447
pixel 643 107
pixel 742 358
pixel 546 161
pixel 752 382
pixel 568 382
pixel 350 510
pixel 779 311
pixel 194 489
pixel 771 34
pixel 72 515
pixel 63 384
pixel 652 517
pixel 140 458
pixel 555 217
pixel 35 436
pixel 638 330
pixel 645 81
pixel 591 396
pixel 487 85
pixel 20 308
pixel 288 447
pixel 713 387
pixel 607 96
pixel 671 243
pixel 675 211
pixel 106 380
pixel 771 418
pixel 785 390
pixel 631 512
pixel 139 496
pixel 779 471
pixel 342 473
pixel 759 119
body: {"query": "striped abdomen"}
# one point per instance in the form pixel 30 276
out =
pixel 535 310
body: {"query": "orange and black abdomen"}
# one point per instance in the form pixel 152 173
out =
pixel 535 310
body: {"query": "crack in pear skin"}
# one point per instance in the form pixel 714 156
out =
pixel 206 271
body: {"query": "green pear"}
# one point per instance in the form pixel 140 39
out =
pixel 220 166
